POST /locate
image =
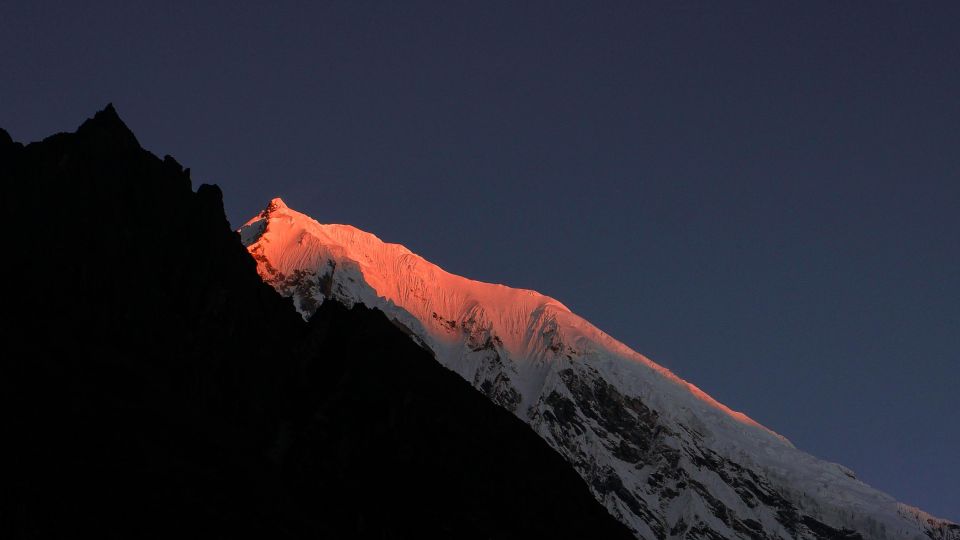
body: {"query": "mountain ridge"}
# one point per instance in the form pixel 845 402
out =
pixel 530 354
pixel 155 387
pixel 507 295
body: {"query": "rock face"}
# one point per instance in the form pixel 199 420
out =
pixel 155 387
pixel 661 455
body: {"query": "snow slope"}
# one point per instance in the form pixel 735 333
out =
pixel 663 456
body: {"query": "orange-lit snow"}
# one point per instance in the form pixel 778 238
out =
pixel 517 346
pixel 294 241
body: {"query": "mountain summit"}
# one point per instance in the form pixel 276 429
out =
pixel 664 457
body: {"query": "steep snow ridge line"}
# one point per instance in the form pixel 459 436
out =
pixel 422 288
pixel 662 455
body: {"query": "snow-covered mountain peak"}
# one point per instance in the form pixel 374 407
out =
pixel 294 242
pixel 661 454
pixel 275 204
pixel 283 220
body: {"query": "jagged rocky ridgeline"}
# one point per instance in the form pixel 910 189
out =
pixel 155 387
pixel 660 454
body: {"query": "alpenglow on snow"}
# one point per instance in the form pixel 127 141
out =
pixel 664 457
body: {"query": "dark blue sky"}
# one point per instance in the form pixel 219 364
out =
pixel 764 199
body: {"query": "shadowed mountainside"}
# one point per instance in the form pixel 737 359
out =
pixel 156 387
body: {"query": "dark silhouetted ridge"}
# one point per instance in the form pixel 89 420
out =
pixel 107 129
pixel 155 387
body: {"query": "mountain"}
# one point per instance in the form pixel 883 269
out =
pixel 154 387
pixel 661 455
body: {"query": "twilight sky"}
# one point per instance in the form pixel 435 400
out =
pixel 764 199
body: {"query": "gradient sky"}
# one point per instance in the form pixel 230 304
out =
pixel 764 199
